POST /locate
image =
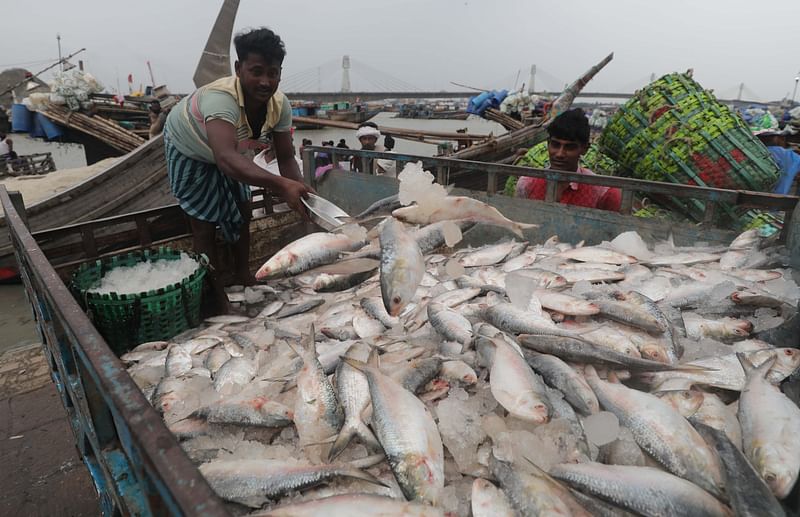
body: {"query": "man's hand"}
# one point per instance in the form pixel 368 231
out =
pixel 293 192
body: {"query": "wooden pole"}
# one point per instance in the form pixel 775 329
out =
pixel 412 134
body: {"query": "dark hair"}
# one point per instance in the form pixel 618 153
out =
pixel 261 41
pixel 368 124
pixel 307 141
pixel 570 125
pixel 341 140
pixel 388 142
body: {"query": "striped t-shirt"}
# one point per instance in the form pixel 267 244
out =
pixel 222 99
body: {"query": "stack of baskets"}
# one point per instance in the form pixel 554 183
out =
pixel 675 131
pixel 126 320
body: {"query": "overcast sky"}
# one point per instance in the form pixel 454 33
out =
pixel 429 43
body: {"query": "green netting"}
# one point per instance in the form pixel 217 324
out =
pixel 126 320
pixel 674 131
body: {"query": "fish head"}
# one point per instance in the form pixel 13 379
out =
pixel 685 402
pixel 787 360
pixel 654 352
pixel 771 463
pixel 422 478
pixel 556 281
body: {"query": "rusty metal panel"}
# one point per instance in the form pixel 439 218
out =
pixel 159 479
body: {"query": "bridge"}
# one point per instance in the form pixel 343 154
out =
pixel 349 80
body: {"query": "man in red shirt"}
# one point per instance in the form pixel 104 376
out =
pixel 568 140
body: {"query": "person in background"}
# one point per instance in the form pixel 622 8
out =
pixel 158 117
pixel 7 154
pixel 787 160
pixel 568 140
pixel 342 144
pixel 209 138
pixel 387 167
pixel 367 135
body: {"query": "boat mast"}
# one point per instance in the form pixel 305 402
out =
pixel 215 61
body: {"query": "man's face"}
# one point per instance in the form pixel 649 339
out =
pixel 368 142
pixel 259 77
pixel 565 155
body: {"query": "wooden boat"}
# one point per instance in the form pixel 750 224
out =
pixel 137 181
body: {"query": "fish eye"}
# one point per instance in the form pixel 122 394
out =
pixel 397 299
pixel 788 352
pixel 769 477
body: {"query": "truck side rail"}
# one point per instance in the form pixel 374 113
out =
pixel 136 463
pixel 443 167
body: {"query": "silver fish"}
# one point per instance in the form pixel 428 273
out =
pixel 252 482
pixel 308 252
pixel 353 505
pixel 380 208
pixel 714 413
pixel 597 254
pixel 300 308
pixel 256 411
pixel 453 208
pixel 749 494
pixel 402 266
pixel 178 362
pixel 770 427
pixel 561 376
pixel 416 373
pixel 352 390
pixel 317 414
pixel 643 490
pixel 489 501
pixel 450 324
pixel 235 373
pixel 516 387
pixel 408 434
pixel 487 256
pixel 374 307
pixel 662 432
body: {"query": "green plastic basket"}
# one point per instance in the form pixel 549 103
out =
pixel 675 131
pixel 126 320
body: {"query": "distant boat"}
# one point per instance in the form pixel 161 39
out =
pixel 346 112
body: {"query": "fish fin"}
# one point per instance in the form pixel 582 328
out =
pixel 368 462
pixel 363 476
pixel 751 369
pixel 355 363
pixel 342 441
pixel 372 359
pixel 289 385
pixel 367 436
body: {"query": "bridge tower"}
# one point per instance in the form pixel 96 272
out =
pixel 345 74
pixel 532 80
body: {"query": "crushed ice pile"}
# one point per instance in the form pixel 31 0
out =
pixel 249 365
pixel 146 276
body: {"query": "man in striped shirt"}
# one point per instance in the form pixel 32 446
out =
pixel 210 138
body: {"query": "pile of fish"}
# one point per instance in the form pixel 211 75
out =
pixel 509 379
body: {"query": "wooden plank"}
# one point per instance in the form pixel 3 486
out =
pixel 89 244
pixel 710 212
pixel 626 205
pixel 491 186
pixel 143 227
pixel 552 190
pixel 19 206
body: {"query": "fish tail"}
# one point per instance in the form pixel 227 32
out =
pixel 750 369
pixel 342 440
pixel 367 436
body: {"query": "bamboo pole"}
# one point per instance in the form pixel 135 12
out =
pixel 508 122
pixel 103 129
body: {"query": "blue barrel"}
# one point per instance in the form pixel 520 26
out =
pixel 51 129
pixel 37 131
pixel 21 118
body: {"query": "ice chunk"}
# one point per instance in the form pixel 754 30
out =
pixel 453 268
pixel 624 450
pixel 519 288
pixel 461 425
pixel 601 428
pixel 355 232
pixel 452 233
pixel 766 323
pixel 417 186
pixel 705 347
pixel 581 287
pixel 252 296
pixel 630 243
pixel 493 425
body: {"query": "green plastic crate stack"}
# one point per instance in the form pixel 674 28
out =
pixel 538 158
pixel 126 320
pixel 675 131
